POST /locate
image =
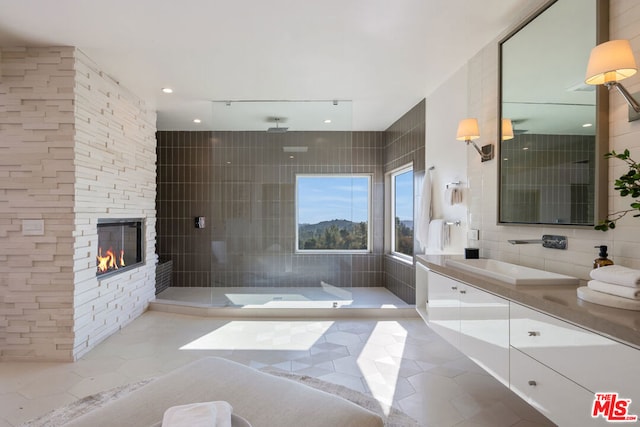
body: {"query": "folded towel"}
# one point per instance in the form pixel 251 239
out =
pixel 436 237
pixel 617 274
pixel 611 289
pixel 205 414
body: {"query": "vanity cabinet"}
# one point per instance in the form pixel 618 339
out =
pixel 518 334
pixel 473 320
pixel 590 362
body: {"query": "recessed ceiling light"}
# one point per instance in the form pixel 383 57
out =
pixel 291 157
pixel 587 125
pixel 167 90
pixel 525 148
pixel 327 121
pixel 228 163
pixel 505 159
pixel 197 121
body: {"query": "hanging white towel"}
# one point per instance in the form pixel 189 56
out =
pixel 437 235
pixel 448 196
pixel 456 196
pixel 426 211
pixel 453 196
pixel 446 234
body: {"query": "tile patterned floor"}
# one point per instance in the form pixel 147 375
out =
pixel 400 362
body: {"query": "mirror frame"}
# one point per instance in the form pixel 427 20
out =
pixel 602 124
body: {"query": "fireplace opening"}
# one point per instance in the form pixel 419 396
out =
pixel 120 245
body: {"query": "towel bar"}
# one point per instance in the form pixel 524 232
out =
pixel 454 184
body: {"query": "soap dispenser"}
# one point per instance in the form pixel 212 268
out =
pixel 602 259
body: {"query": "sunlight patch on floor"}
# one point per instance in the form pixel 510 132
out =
pixel 262 335
pixel 380 369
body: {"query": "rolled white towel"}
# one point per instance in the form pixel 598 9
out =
pixel 617 290
pixel 205 414
pixel 617 274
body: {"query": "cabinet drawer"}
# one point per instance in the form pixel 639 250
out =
pixel 484 331
pixel 597 363
pixel 556 397
pixel 443 308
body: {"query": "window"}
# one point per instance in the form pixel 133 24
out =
pixel 402 212
pixel 332 212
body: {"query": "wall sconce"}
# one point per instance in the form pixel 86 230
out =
pixel 609 63
pixel 507 129
pixel 468 130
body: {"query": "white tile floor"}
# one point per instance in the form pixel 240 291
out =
pixel 400 362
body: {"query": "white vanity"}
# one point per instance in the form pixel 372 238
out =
pixel 542 342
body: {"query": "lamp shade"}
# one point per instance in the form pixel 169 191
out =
pixel 610 62
pixel 468 130
pixel 507 129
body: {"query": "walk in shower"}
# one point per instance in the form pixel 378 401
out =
pixel 275 204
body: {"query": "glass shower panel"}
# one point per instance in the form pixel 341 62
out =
pixel 258 151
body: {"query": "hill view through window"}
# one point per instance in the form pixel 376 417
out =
pixel 333 212
pixel 402 183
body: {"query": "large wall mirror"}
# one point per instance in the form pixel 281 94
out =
pixel 552 171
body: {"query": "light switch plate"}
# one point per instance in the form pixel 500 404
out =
pixel 473 234
pixel 33 227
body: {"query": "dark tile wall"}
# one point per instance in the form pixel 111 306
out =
pixel 404 144
pixel 244 184
pixel 535 189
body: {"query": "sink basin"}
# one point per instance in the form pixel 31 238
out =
pixel 511 273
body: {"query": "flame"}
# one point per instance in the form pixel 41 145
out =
pixel 109 260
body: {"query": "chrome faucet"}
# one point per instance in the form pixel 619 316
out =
pixel 548 241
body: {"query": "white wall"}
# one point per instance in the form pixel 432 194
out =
pixel 445 107
pixel 623 242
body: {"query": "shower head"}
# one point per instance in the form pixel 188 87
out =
pixel 276 129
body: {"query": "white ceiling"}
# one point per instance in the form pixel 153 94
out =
pixel 382 55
